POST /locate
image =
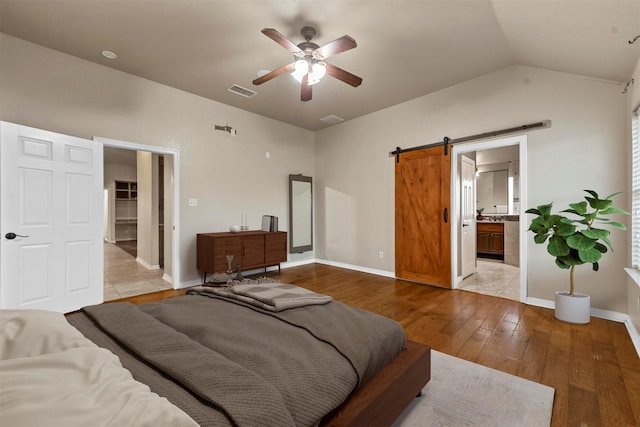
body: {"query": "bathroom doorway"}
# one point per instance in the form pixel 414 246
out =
pixel 500 253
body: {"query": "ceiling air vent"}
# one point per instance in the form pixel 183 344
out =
pixel 242 91
pixel 332 120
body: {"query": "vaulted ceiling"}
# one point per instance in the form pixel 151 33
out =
pixel 406 48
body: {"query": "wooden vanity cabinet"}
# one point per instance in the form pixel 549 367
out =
pixel 490 239
pixel 250 249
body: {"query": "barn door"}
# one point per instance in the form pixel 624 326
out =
pixel 423 231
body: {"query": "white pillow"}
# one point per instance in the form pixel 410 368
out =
pixel 25 333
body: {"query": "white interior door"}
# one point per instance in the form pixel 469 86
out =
pixel 467 216
pixel 51 199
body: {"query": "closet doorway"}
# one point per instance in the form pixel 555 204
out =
pixel 140 240
pixel 502 270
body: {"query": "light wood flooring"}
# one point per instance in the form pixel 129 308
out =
pixel 593 368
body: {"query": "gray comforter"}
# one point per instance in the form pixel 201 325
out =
pixel 228 363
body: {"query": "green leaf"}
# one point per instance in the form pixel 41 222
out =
pixel 540 238
pixel 579 208
pixel 557 246
pixel 596 233
pixel 533 211
pixel 592 202
pixel 580 242
pixel 613 210
pixel 539 226
pixel 562 264
pixel 545 209
pixel 608 242
pixel 602 248
pixel 565 229
pixel 553 220
pixel 617 225
pixel 590 255
pixel 595 266
pixel 593 193
pixel 572 258
pixel 613 194
pixel 604 204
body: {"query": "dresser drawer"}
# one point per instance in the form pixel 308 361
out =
pixel 497 228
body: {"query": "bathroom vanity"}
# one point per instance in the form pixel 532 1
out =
pixel 499 239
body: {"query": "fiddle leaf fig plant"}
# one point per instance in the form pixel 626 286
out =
pixel 576 241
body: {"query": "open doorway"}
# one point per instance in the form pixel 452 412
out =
pixel 488 253
pixel 140 238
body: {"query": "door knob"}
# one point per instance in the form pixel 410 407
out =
pixel 465 225
pixel 12 236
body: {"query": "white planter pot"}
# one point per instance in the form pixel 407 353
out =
pixel 574 308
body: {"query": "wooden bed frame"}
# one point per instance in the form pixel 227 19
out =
pixel 380 401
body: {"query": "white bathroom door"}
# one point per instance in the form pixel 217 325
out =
pixel 467 217
pixel 51 225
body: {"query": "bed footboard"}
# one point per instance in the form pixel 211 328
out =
pixel 380 401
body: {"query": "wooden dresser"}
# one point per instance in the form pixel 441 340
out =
pixel 250 249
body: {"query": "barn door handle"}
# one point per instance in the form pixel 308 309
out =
pixel 11 236
pixel 446 215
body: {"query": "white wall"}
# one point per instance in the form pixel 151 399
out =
pixel 229 175
pixel 585 148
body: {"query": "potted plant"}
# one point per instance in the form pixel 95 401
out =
pixel 575 242
pixel 480 217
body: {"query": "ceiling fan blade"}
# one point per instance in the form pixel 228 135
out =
pixel 305 91
pixel 274 74
pixel 343 75
pixel 276 36
pixel 335 47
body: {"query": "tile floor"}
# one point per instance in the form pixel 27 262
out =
pixel 494 278
pixel 124 277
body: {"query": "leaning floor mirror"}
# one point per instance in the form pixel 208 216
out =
pixel 300 214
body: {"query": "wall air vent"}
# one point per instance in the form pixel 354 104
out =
pixel 332 120
pixel 242 91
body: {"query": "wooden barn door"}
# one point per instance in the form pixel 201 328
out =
pixel 423 231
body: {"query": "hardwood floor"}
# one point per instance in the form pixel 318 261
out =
pixel 593 368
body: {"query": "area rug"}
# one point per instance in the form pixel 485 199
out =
pixel 461 393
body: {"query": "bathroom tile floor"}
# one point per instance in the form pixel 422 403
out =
pixel 494 278
pixel 125 277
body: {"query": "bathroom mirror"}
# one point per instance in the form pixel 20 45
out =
pixel 300 214
pixel 492 192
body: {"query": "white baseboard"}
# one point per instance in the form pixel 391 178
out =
pixel 290 264
pixel 167 278
pixel 147 265
pixel 357 268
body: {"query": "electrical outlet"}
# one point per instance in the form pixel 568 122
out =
pixel 380 254
pixel 193 202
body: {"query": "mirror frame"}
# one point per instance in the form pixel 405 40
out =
pixel 302 248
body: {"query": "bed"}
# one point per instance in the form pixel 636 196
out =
pixel 207 359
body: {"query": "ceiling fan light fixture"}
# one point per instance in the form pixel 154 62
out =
pixel 319 70
pixel 300 69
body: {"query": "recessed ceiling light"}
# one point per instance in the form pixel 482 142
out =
pixel 109 54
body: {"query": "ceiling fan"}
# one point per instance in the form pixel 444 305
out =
pixel 309 66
